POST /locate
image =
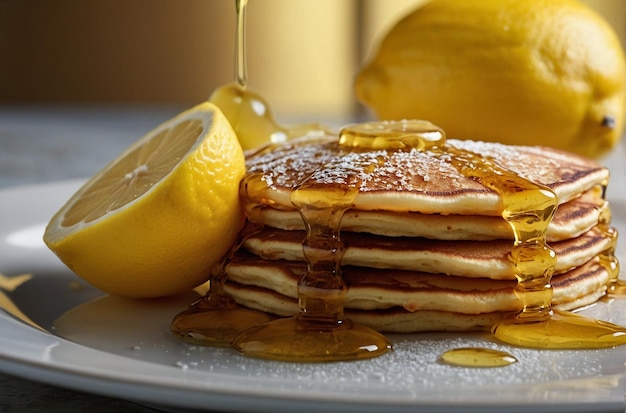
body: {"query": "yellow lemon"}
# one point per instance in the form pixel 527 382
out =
pixel 156 219
pixel 527 72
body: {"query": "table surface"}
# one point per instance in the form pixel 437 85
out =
pixel 44 144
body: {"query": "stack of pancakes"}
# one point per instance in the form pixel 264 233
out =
pixel 425 247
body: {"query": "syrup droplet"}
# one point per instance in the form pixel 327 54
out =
pixel 617 289
pixel 249 115
pixel 477 357
pixel 247 111
pixel 253 121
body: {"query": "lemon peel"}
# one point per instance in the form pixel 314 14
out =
pixel 156 219
pixel 512 71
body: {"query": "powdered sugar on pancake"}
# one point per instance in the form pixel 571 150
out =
pixel 423 181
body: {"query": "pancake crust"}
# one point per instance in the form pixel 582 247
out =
pixel 473 259
pixel 417 181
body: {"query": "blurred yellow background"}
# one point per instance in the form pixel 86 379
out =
pixel 302 54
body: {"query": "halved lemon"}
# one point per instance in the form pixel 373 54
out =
pixel 156 219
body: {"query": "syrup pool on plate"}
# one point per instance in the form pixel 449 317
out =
pixel 216 319
pixel 477 357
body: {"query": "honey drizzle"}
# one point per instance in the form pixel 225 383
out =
pixel 248 112
pixel 216 318
pixel 241 68
pixel 320 328
pixel 319 331
pixel 528 208
pixel 616 287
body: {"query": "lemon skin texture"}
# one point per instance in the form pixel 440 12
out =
pixel 167 239
pixel 511 71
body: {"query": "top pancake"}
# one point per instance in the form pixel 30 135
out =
pixel 413 180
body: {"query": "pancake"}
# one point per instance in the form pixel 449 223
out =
pixel 417 181
pixel 571 220
pixel 371 289
pixel 461 258
pixel 405 301
pixel 425 248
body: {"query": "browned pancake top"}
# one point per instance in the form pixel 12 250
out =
pixel 419 180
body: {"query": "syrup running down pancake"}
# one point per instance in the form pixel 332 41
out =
pixel 417 181
pixel 486 259
pixel 571 219
pixel 270 286
pixel 425 246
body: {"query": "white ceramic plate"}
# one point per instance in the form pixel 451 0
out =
pixel 123 348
